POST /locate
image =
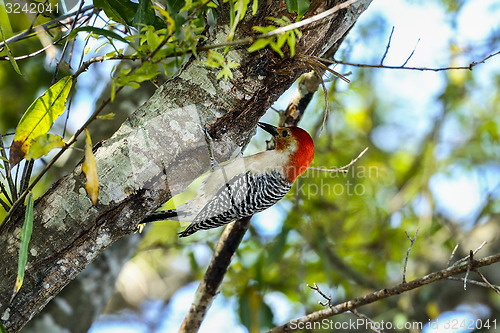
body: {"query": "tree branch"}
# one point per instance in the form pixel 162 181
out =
pixel 345 168
pixel 412 242
pixel 32 30
pixel 207 290
pixel 439 69
pixel 294 325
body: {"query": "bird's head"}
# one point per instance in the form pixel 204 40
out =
pixel 296 143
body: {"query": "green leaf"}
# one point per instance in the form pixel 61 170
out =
pixel 255 6
pixel 145 14
pixel 167 18
pixel 9 55
pixel 108 116
pixel 259 44
pixel 153 39
pixel 25 239
pixel 39 118
pixel 89 167
pixel 175 6
pixel 121 11
pixel 43 144
pixel 98 31
pixel 2 328
pixel 291 41
pixel 4 19
pixel 298 6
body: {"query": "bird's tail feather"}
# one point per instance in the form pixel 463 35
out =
pixel 160 216
pixel 169 214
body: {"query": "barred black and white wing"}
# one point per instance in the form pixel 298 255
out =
pixel 243 195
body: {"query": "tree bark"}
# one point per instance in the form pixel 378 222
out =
pixel 154 155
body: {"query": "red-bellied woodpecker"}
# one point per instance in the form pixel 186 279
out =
pixel 247 185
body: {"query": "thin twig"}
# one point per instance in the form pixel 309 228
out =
pixel 373 297
pixel 33 54
pixel 8 175
pixel 474 282
pixel 317 290
pixel 495 288
pixel 387 47
pixel 73 25
pixel 208 288
pixel 345 167
pixel 89 62
pixel 452 255
pixel 327 106
pixel 469 265
pixel 412 241
pixel 464 259
pixel 411 54
pixel 309 20
pixel 28 32
pixel 317 61
pixel 371 323
pixel 25 179
pixel 439 69
pixel 281 30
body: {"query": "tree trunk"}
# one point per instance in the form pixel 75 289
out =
pixel 154 155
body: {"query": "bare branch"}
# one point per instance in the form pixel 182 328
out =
pixel 207 290
pixel 317 290
pixel 309 20
pixel 412 240
pixel 387 47
pixel 411 54
pixel 281 30
pixel 372 323
pixel 452 255
pixel 474 282
pixel 73 26
pixel 439 69
pixel 345 167
pixel 464 259
pixel 28 32
pixel 495 288
pixel 8 176
pixel 385 293
pixel 470 260
pixel 33 54
pixel 329 303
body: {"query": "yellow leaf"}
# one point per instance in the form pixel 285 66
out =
pixel 90 169
pixel 107 116
pixel 168 19
pixel 43 144
pixel 39 118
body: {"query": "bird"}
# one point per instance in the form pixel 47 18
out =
pixel 247 185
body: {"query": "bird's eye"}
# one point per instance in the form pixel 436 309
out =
pixel 285 134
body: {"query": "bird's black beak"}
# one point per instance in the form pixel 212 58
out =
pixel 268 128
